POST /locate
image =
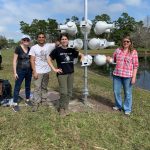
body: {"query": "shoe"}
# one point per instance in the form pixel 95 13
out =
pixel 28 103
pixel 127 113
pixel 16 108
pixel 63 112
pixel 67 112
pixel 116 108
pixel 35 107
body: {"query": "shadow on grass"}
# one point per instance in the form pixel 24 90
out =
pixel 97 99
pixel 102 100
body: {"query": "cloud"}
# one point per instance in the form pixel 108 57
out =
pixel 66 7
pixel 114 8
pixel 97 7
pixel 133 2
pixel 14 11
pixel 2 29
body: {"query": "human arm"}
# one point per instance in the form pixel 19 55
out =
pixel 111 60
pixel 134 76
pixel 49 61
pixel 32 61
pixel 135 66
pixel 15 58
pixel 81 56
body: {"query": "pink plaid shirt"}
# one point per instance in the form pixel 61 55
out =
pixel 125 63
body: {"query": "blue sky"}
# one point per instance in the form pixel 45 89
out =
pixel 14 11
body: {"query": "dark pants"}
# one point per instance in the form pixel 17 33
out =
pixel 65 85
pixel 0 60
pixel 22 74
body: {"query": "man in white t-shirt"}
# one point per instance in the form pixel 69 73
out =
pixel 40 68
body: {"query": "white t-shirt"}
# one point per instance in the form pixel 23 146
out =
pixel 41 53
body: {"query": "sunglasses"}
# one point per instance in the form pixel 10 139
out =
pixel 126 41
pixel 27 40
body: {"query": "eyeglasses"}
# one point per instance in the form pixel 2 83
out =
pixel 27 40
pixel 126 41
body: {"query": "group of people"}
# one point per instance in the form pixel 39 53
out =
pixel 37 62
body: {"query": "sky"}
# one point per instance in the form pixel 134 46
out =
pixel 14 11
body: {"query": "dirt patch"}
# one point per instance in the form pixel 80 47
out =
pixel 76 105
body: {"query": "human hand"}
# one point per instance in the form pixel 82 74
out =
pixel 57 43
pixel 109 59
pixel 35 75
pixel 16 76
pixel 82 57
pixel 58 70
pixel 133 80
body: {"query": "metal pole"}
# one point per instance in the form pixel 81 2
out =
pixel 85 90
pixel 85 9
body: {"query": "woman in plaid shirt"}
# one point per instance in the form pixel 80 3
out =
pixel 126 59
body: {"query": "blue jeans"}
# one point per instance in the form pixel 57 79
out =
pixel 118 82
pixel 22 74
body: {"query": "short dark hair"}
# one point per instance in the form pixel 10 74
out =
pixel 39 33
pixel 63 34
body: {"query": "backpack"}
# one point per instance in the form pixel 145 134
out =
pixel 5 89
pixel 0 59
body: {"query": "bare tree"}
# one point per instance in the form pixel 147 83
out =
pixel 142 35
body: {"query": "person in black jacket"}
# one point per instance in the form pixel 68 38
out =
pixel 22 70
pixel 64 57
pixel 0 58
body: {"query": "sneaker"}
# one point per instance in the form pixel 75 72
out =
pixel 16 108
pixel 62 112
pixel 67 112
pixel 127 113
pixel 28 103
pixel 116 108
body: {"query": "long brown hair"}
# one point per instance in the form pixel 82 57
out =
pixel 131 48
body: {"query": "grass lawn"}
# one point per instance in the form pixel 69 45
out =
pixel 89 130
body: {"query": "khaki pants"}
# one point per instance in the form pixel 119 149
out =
pixel 40 88
pixel 66 86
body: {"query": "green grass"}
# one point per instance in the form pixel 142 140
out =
pixel 90 130
pixel 109 52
